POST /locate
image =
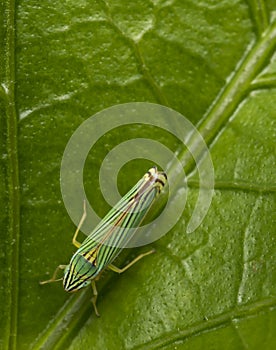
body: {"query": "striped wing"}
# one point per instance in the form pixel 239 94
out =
pixel 106 241
pixel 103 245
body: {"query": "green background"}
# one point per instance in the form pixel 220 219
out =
pixel 213 61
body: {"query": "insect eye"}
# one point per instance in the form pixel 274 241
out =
pixel 85 283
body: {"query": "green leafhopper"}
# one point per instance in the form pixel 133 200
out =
pixel 102 246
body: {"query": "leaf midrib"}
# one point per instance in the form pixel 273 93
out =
pixel 233 93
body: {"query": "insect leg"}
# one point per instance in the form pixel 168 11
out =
pixel 121 270
pixel 94 299
pixel 54 279
pixel 74 240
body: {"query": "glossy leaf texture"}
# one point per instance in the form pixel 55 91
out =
pixel 212 61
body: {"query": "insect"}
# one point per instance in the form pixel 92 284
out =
pixel 97 252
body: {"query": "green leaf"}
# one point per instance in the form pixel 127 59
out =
pixel 214 62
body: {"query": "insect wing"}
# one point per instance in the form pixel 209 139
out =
pixel 113 233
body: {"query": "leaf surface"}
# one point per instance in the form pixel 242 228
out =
pixel 212 61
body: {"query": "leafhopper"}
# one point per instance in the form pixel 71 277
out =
pixel 98 251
